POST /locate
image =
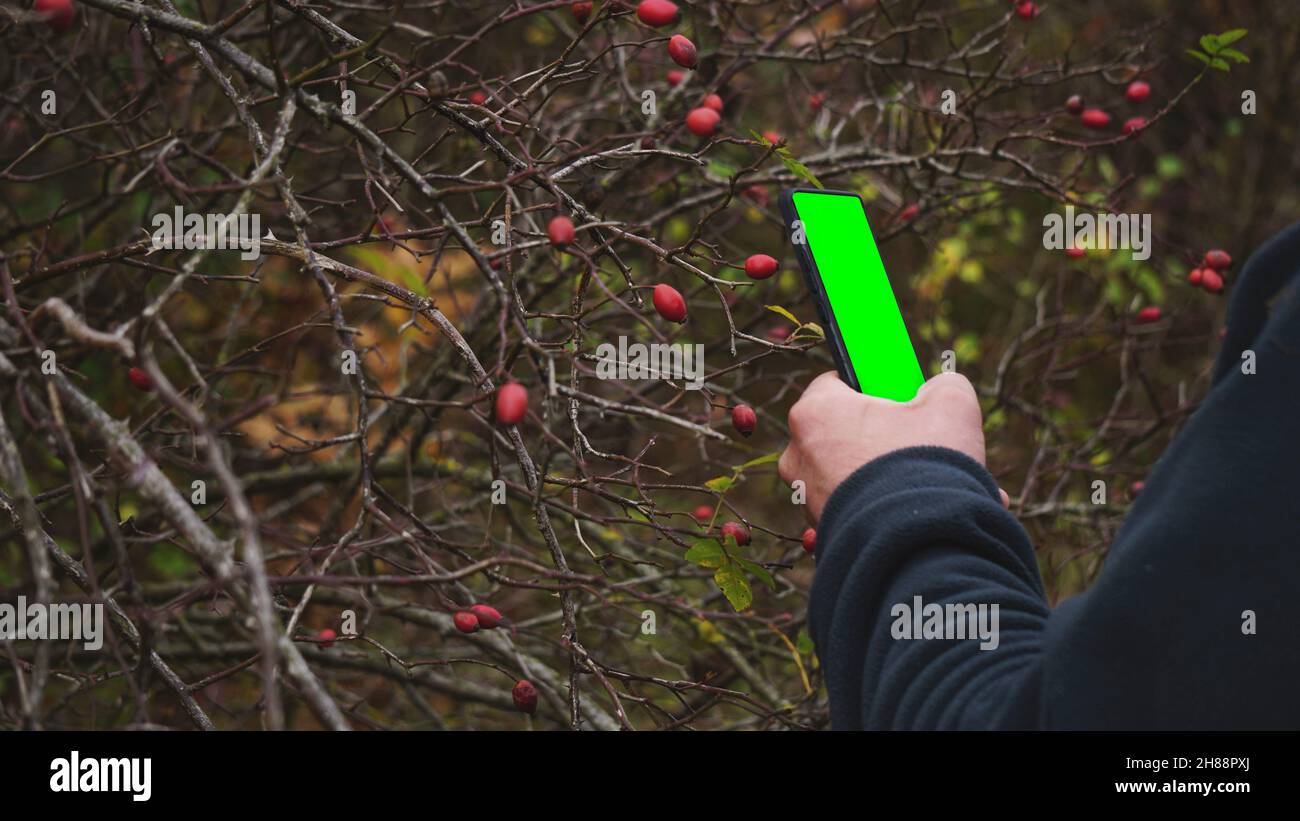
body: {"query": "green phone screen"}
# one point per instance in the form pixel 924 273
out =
pixel 857 288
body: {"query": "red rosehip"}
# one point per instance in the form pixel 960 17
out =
pixel 1218 260
pixel 1211 280
pixel 675 77
pixel 140 379
pixel 670 303
pixel 581 11
pixel 778 333
pixel 524 693
pixel 909 213
pixel 703 514
pixel 560 231
pixel 59 14
pixel 1134 124
pixel 478 98
pixel 1137 487
pixel 465 621
pixel 656 13
pixel 1075 252
pixel 703 122
pixel 488 616
pixel 512 403
pixel 816 101
pixel 1138 91
pixel 1195 276
pixel 772 137
pixel 736 531
pixel 647 143
pixel 744 419
pixel 1074 104
pixel 1095 118
pixel 1151 313
pixel 682 50
pixel 326 638
pixel 760 266
pixel 809 540
pixel 712 101
pixel 757 193
pixel 1026 10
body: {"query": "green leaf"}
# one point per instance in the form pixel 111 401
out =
pixel 1210 43
pixel 1233 54
pixel 721 484
pixel 759 138
pixel 1199 56
pixel 762 460
pixel 812 328
pixel 759 572
pixel 734 586
pixel 804 643
pixel 706 553
pixel 1221 65
pixel 777 309
pixel 1231 36
pixel 797 168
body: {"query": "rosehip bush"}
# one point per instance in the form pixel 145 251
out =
pixel 408 463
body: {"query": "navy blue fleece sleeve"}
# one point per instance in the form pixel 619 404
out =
pixel 925 522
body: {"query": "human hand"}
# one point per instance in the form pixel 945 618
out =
pixel 834 430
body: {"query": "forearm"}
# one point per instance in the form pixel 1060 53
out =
pixel 928 523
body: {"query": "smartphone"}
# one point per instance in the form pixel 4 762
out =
pixel 864 326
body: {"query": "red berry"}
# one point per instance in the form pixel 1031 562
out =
pixel 809 540
pixel 703 514
pixel 647 143
pixel 816 101
pixel 675 77
pixel 703 122
pixel 478 98
pixel 760 266
pixel 909 213
pixel 712 101
pixel 656 13
pixel 326 638
pixel 140 379
pixel 1026 10
pixel 1095 118
pixel 778 333
pixel 736 531
pixel 1134 124
pixel 1195 276
pixel 512 403
pixel 757 193
pixel 1074 104
pixel 58 13
pixel 581 11
pixel 1075 252
pixel 560 231
pixel 1218 260
pixel 465 621
pixel 1151 313
pixel 524 693
pixel 744 419
pixel 488 616
pixel 772 137
pixel 1138 91
pixel 1137 487
pixel 682 50
pixel 670 303
pixel 1211 280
